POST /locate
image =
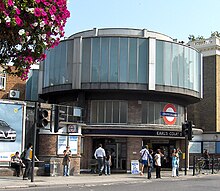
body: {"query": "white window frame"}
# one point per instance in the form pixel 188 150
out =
pixel 2 81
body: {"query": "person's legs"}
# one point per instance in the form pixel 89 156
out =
pixel 64 170
pixel 159 171
pixel 27 169
pixel 100 165
pixel 108 168
pixel 149 169
pixel 174 171
pixel 17 169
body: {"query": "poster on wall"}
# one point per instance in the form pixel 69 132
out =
pixel 210 146
pixel 195 147
pixel 73 140
pixel 11 129
pixel 63 141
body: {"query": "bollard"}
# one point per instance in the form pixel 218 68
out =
pixel 212 164
pixel 194 165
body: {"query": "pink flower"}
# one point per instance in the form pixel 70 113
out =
pixel 18 11
pixel 10 3
pixel 29 59
pixel 18 21
pixel 37 1
pixel 37 12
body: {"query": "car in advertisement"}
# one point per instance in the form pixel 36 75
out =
pixel 6 132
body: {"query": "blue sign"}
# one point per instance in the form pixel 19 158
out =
pixel 169 114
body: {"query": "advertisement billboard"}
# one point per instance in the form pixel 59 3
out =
pixel 11 128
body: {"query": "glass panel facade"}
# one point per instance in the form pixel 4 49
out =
pixel 177 65
pixel 56 65
pixel 142 61
pixel 124 60
pixel 109 112
pixel 104 66
pixel 133 60
pixel 115 59
pixel 95 59
pixel 86 56
pixel 114 47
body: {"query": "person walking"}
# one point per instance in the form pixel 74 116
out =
pixel 100 156
pixel 157 159
pixel 66 161
pixel 174 162
pixel 144 158
pixel 108 163
pixel 27 162
pixel 16 163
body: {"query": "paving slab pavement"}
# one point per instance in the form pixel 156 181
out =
pixel 9 182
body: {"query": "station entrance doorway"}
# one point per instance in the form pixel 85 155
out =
pixel 166 147
pixel 117 148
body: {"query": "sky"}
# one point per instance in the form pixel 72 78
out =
pixel 175 18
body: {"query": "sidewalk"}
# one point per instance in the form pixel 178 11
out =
pixel 82 179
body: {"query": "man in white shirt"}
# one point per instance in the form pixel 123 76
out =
pixel 100 156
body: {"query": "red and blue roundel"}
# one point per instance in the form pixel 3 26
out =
pixel 169 114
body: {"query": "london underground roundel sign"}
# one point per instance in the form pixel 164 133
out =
pixel 169 114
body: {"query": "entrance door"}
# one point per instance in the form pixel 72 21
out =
pixel 117 148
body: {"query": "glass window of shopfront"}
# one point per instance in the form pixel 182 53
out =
pixel 109 112
pixel 104 66
pixel 123 60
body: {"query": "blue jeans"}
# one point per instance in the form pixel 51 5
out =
pixel 66 169
pixel 107 168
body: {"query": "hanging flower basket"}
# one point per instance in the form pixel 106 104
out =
pixel 27 29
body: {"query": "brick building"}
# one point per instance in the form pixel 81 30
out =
pixel 133 87
pixel 206 114
pixel 11 87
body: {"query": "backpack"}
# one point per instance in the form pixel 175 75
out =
pixel 23 155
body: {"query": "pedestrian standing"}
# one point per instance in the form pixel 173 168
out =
pixel 108 163
pixel 27 162
pixel 100 156
pixel 150 166
pixel 157 159
pixel 144 158
pixel 179 154
pixel 66 161
pixel 174 162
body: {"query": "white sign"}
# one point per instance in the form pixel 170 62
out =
pixel 62 143
pixel 135 167
pixel 73 143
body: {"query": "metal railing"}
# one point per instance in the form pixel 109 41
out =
pixel 205 166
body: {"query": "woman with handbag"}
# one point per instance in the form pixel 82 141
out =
pixel 144 158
